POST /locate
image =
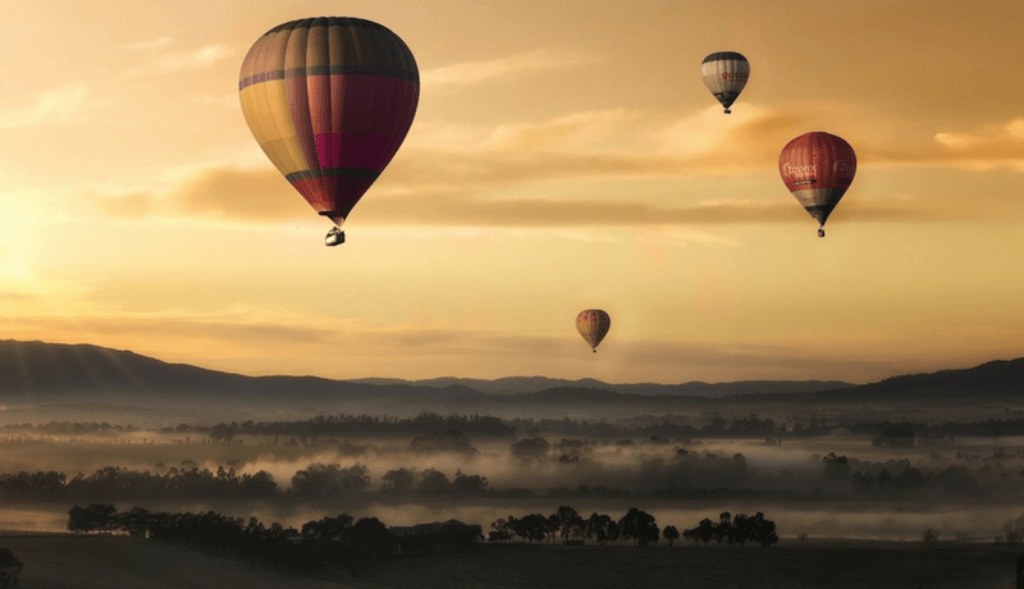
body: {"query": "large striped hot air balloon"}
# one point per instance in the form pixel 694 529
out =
pixel 593 325
pixel 330 100
pixel 725 74
pixel 818 168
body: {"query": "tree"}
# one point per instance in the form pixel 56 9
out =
pixel 837 468
pixel 330 479
pixel 469 484
pixel 706 530
pixel 725 531
pixel 502 531
pixel 95 517
pixel 764 530
pixel 532 528
pixel 531 448
pixel 451 441
pixel 628 525
pixel 10 568
pixel 647 530
pixel 434 481
pixel 671 534
pixel 570 522
pixel 598 527
pixel 398 481
pixel 369 540
pixel 328 528
pixel 135 521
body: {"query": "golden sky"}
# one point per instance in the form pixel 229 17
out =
pixel 565 156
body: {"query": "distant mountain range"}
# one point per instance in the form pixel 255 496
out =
pixel 517 385
pixel 35 372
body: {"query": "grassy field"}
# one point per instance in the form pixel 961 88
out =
pixel 94 562
pixel 818 565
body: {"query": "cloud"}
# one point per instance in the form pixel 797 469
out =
pixel 57 105
pixel 222 193
pixel 454 175
pixel 157 43
pixel 987 148
pixel 182 60
pixel 262 196
pixel 473 72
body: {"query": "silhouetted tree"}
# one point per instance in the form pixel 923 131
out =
pixel 531 448
pixel 330 479
pixel 10 568
pixel 433 481
pixel 469 484
pixel 399 481
pixel 569 522
pixel 836 467
pixel 598 527
pixel 671 534
pixel 451 441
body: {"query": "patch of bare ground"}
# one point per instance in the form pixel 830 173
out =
pixel 59 561
pixel 838 564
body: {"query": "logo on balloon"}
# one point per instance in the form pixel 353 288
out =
pixel 843 167
pixel 791 170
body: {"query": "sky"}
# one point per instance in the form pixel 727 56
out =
pixel 564 156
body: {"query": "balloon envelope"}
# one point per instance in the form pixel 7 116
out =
pixel 725 74
pixel 818 168
pixel 593 325
pixel 329 100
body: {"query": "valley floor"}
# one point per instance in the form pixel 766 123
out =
pixel 94 562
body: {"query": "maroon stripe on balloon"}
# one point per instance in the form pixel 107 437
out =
pixel 312 190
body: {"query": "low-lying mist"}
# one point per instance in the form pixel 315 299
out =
pixel 808 477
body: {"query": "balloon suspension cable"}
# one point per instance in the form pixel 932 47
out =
pixel 821 232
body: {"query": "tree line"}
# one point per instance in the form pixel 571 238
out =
pixel 636 526
pixel 886 433
pixel 340 541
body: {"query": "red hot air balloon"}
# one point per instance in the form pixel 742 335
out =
pixel 593 325
pixel 330 100
pixel 818 168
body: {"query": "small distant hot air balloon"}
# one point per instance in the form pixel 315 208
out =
pixel 330 100
pixel 818 168
pixel 593 325
pixel 725 74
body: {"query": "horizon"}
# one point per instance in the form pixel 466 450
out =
pixel 520 376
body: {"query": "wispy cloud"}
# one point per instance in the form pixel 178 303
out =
pixel 986 148
pixel 58 105
pixel 479 71
pixel 182 60
pixel 147 45
pixel 461 175
pixel 222 193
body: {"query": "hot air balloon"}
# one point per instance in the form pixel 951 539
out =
pixel 593 325
pixel 818 168
pixel 330 100
pixel 725 74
